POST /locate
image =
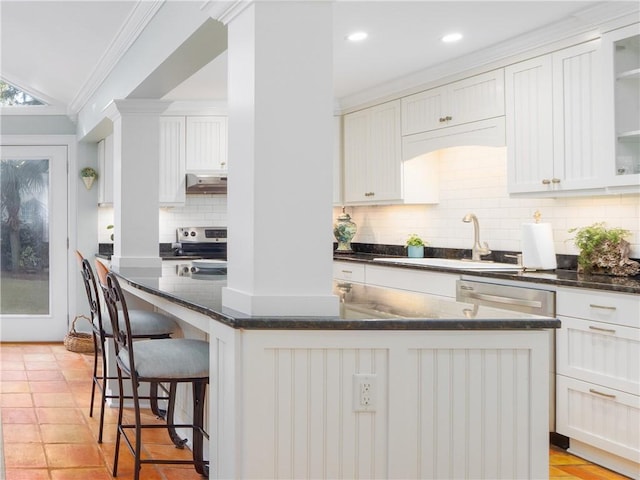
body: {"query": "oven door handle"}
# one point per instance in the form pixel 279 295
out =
pixel 504 300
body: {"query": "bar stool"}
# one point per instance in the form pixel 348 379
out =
pixel 144 324
pixel 171 361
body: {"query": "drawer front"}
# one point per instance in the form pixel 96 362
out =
pixel 434 283
pixel 602 417
pixel 351 272
pixel 600 353
pixel 607 307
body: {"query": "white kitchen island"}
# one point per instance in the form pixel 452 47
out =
pixel 402 385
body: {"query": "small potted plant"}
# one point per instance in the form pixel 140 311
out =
pixel 88 175
pixel 604 250
pixel 415 246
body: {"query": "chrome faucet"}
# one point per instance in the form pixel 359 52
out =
pixel 478 250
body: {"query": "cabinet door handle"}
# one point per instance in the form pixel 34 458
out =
pixel 442 119
pixel 546 181
pixel 369 194
pixel 596 392
pixel 448 118
pixel 603 307
pixel 607 330
pixel 555 180
pixel 346 271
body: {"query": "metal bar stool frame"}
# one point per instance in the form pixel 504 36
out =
pixel 125 361
pixel 100 337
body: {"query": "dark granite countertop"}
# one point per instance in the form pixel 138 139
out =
pixel 362 307
pixel 567 278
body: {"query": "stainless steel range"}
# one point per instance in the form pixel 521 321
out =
pixel 202 242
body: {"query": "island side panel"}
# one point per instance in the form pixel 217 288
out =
pixel 447 404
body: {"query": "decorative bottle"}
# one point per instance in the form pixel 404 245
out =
pixel 344 230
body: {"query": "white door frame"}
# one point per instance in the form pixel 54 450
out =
pixel 68 264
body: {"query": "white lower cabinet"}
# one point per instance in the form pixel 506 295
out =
pixel 600 353
pixel 348 271
pixel 423 281
pixel 604 418
pixel 598 376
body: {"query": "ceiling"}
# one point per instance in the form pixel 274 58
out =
pixel 53 49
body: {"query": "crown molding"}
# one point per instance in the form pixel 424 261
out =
pixel 225 11
pixel 142 13
pixel 583 26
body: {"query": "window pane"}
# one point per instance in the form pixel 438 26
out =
pixel 12 96
pixel 24 237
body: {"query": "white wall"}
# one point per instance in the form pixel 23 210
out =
pixel 473 179
pixel 198 211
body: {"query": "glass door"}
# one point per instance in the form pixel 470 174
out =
pixel 33 243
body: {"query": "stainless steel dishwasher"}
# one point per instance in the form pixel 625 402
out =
pixel 519 299
pixel 506 297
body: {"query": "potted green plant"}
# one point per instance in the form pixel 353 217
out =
pixel 604 250
pixel 415 246
pixel 88 176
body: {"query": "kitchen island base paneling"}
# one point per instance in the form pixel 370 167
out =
pixel 447 405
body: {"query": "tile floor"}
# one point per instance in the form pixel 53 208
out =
pixel 46 428
pixel 48 434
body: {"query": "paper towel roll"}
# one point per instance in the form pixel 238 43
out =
pixel 538 252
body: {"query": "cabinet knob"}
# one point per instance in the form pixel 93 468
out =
pixel 555 180
pixel 448 118
pixel 546 181
pixel 442 119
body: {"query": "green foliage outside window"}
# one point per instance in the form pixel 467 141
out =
pixel 11 96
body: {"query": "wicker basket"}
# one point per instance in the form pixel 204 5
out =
pixel 78 342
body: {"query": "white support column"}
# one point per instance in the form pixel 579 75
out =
pixel 280 150
pixel 136 148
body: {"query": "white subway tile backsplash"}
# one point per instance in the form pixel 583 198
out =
pixel 474 180
pixel 198 211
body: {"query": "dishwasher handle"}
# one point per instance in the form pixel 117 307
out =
pixel 503 300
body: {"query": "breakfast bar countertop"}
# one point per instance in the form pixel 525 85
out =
pixel 362 307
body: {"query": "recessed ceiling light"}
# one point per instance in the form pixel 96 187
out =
pixel 357 36
pixel 452 37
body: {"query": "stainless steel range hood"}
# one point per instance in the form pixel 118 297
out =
pixel 201 184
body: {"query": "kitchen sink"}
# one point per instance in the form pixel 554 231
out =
pixel 452 263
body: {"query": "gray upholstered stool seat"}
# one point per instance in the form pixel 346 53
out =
pixel 145 324
pixel 175 358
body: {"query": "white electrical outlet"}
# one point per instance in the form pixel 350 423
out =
pixel 364 392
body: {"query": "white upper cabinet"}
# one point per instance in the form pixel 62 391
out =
pixel 337 160
pixel 374 169
pixel 172 161
pixel 552 120
pixel 475 98
pixel 206 144
pixel 372 154
pixel 529 129
pixel 105 169
pixel 621 102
